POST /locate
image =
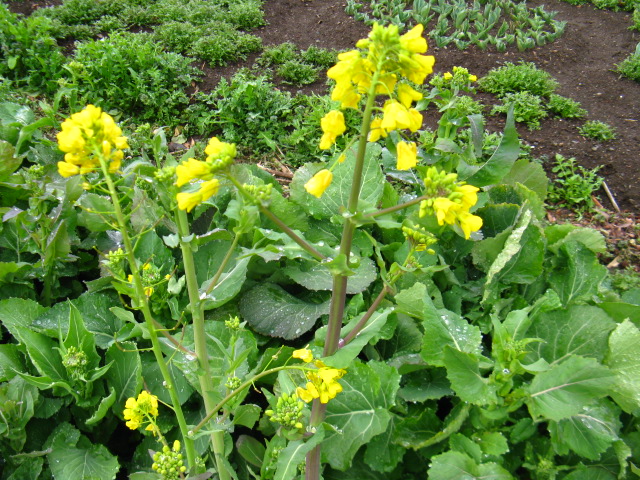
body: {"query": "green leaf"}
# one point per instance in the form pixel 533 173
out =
pixel 496 218
pixel 155 383
pixel 360 411
pixel 44 354
pixel 382 454
pixel 345 355
pixel 318 277
pixel 563 390
pixel 558 235
pixel 577 330
pixel 17 314
pixel 79 459
pixel 10 362
pixel 10 270
pixel 294 454
pixel 80 338
pixel 464 374
pixel 336 197
pixel 125 374
pixel 458 466
pixel 531 175
pixel 29 469
pixel 96 214
pixel 103 408
pixel 623 359
pixel 500 163
pixel 442 329
pixel 8 162
pixel 419 426
pixel 589 433
pixel 246 415
pixel 95 310
pixel 151 249
pixel 272 311
pixel 251 450
pixel 57 245
pixel 493 443
pixel 579 274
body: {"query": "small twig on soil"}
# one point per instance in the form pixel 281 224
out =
pixel 610 195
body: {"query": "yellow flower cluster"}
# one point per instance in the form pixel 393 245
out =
pixel 323 382
pixel 87 137
pixel 450 201
pixel 141 410
pixel 219 156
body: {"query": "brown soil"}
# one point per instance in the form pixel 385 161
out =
pixel 582 60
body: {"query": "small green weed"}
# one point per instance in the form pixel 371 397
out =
pixel 598 130
pixel 296 72
pixel 527 108
pixel 636 19
pixel 320 57
pixel 277 55
pixel 574 185
pixel 521 77
pixel 630 66
pixel 565 107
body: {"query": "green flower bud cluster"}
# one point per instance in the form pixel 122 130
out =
pixel 439 183
pixel 168 462
pixel 114 262
pixel 288 411
pixel 421 239
pixel 221 157
pixel 75 361
pixel 144 184
pixel 165 175
pixel 233 323
pixel 260 193
pixel 233 382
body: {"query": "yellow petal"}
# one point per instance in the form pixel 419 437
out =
pixel 319 183
pixel 407 155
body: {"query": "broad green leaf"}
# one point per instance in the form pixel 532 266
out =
pixel 497 217
pixel 336 197
pixel 251 450
pixel 426 384
pixel 9 270
pixel 103 408
pixel 621 311
pixel 566 388
pixel 29 469
pixel 155 383
pixel 22 399
pixel 80 338
pixel 318 276
pixel 345 355
pixel 82 461
pixel 382 454
pixel 246 415
pixel 500 163
pixel 125 374
pixel 531 175
pixel 443 328
pixel 360 411
pixel 45 355
pixel 17 314
pixel 272 311
pixel 589 433
pixel 464 374
pixel 95 310
pixel 493 443
pixel 577 330
pixel 151 249
pixel 463 444
pixel 96 213
pixel 458 466
pixel 558 235
pixel 8 162
pixel 10 362
pixel 57 245
pixel 294 454
pixel 623 359
pixel 419 426
pixel 578 276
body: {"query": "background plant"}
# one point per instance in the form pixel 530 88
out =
pixel 573 186
pixel 597 130
pixel 565 107
pixel 630 66
pixel 527 108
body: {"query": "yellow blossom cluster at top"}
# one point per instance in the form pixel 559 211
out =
pixel 450 201
pixel 323 382
pixel 219 156
pixel 141 410
pixel 378 67
pixel 87 137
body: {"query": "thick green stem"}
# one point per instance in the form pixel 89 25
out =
pixel 200 337
pixel 149 320
pixel 339 293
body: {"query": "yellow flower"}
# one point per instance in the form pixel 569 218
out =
pixel 187 201
pixel 87 136
pixel 148 291
pixel 303 354
pixel 66 169
pixel 418 67
pixel 323 384
pixel 469 195
pixel 473 78
pixel 190 170
pixel 447 76
pixel 445 210
pixel 141 410
pixel 415 120
pixel 319 183
pixel 209 188
pixel 407 155
pixel 342 158
pixel 220 150
pixel 396 116
pixel 376 131
pixel 332 125
pixel 413 41
pixel 407 95
pixel 468 222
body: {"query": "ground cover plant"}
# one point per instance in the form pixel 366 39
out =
pixel 176 312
